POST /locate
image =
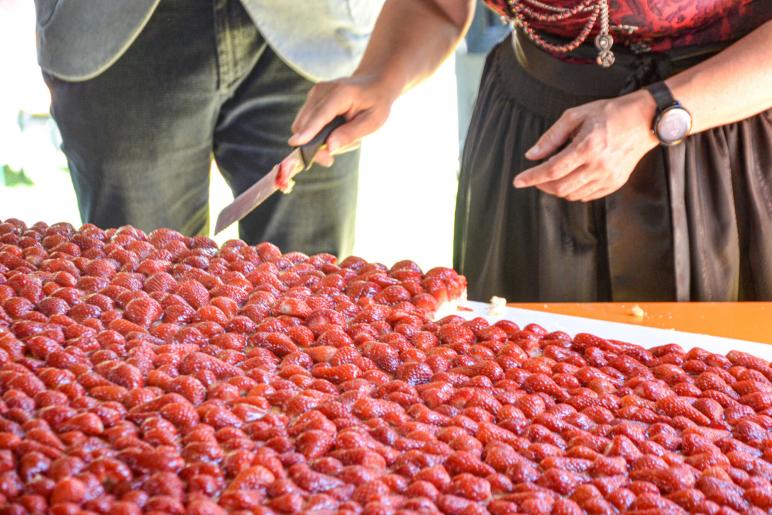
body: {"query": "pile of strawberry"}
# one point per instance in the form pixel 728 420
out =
pixel 158 373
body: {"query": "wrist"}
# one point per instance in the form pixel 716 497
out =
pixel 385 85
pixel 641 108
pixel 673 122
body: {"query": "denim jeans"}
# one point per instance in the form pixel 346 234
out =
pixel 198 83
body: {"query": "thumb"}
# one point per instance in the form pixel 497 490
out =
pixel 557 135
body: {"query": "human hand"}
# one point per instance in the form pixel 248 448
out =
pixel 607 139
pixel 365 102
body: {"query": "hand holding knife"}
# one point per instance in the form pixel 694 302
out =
pixel 280 177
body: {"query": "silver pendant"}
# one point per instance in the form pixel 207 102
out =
pixel 605 59
pixel 604 42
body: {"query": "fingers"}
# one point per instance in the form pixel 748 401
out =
pixel 324 158
pixel 603 152
pixel 347 136
pixel 365 111
pixel 556 135
pixel 592 190
pixel 582 185
pixel 348 148
pixel 570 183
pixel 600 192
pixel 325 101
pixel 556 167
pixel 583 193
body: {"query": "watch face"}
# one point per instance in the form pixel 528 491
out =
pixel 673 125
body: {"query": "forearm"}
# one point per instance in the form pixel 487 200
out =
pixel 730 86
pixel 412 38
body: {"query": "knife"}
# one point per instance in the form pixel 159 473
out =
pixel 300 159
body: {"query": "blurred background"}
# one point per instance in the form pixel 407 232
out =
pixel 408 170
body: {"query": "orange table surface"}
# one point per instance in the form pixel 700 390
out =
pixel 742 320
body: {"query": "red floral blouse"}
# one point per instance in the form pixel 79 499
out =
pixel 662 24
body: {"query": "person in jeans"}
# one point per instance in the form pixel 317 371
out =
pixel 147 92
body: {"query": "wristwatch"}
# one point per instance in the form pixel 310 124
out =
pixel 673 122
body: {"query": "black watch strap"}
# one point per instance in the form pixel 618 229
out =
pixel 662 95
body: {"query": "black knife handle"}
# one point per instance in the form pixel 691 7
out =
pixel 310 149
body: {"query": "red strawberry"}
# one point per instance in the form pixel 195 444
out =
pixel 193 292
pixel 536 383
pixel 211 314
pixel 160 282
pixel 724 493
pixel 456 334
pixel 470 486
pixel 383 355
pixel 561 481
pixel 461 461
pixel 143 311
pixel 436 475
pixel 674 406
pixel 337 375
pixel 314 443
pixel 414 373
pixel 101 268
pixel 760 496
pixel 419 488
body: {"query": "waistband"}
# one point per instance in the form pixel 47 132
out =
pixel 630 71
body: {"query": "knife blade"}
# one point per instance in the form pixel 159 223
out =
pixel 300 159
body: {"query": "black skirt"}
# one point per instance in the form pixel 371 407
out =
pixel 694 222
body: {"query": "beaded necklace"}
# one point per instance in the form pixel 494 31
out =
pixel 523 12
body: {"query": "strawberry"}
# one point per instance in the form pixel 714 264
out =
pixel 143 311
pixel 500 456
pixel 561 481
pixel 414 373
pixel 383 355
pixel 314 443
pixel 193 292
pixel 160 282
pixel 724 493
pixel 436 475
pixel 337 375
pixel 564 506
pixel 536 383
pixel 455 334
pixel 752 362
pixel 470 486
pixel 680 406
pixel 758 401
pixel 464 462
pixel 531 405
pixel 625 448
pixel 760 497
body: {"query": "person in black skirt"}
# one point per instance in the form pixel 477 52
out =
pixel 615 152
